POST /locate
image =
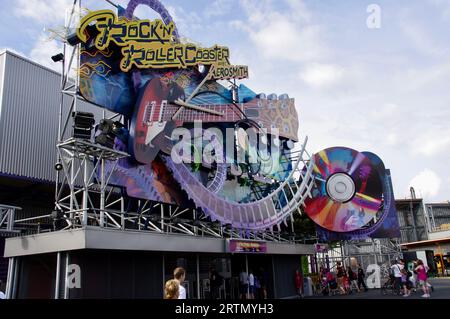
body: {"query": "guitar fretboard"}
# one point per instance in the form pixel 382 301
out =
pixel 230 113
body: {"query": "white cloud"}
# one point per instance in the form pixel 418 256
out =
pixel 322 75
pixel 443 6
pixel 43 50
pixel 145 13
pixel 280 36
pixel 187 22
pixel 392 139
pixel 418 78
pixel 385 111
pixel 420 38
pixel 43 11
pixel 434 141
pixel 427 184
pixel 218 8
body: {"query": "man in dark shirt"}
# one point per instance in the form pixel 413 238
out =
pixel 361 280
pixel 215 282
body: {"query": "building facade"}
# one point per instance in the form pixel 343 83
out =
pixel 133 260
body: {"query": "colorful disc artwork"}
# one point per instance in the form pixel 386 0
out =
pixel 348 193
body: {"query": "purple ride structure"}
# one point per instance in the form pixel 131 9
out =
pixel 141 197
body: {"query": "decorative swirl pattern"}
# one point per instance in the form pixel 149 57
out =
pixel 159 8
pixel 155 5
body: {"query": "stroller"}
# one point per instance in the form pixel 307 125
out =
pixel 333 287
pixel 329 286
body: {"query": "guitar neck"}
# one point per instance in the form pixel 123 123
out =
pixel 230 113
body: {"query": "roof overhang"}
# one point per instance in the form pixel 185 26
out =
pixel 105 239
pixel 426 242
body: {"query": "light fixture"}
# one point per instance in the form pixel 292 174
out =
pixel 58 57
pixel 107 131
pixel 58 166
pixel 83 124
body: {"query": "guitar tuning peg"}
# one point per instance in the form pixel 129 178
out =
pixel 290 144
pixel 272 97
pixel 261 96
pixel 283 97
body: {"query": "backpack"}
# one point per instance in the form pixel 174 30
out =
pixel 391 272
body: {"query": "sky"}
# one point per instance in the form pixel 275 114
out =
pixel 371 78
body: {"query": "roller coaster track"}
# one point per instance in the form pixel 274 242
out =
pixel 155 5
pixel 265 213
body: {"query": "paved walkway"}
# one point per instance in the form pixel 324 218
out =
pixel 441 291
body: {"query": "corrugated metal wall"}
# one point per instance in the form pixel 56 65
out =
pixel 412 222
pixel 29 118
pixel 2 68
pixel 440 214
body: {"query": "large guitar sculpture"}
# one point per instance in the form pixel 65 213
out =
pixel 153 119
pixel 150 132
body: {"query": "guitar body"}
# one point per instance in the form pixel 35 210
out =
pixel 149 134
pixel 152 124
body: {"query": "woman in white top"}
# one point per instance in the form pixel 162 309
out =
pixel 180 274
pixel 251 284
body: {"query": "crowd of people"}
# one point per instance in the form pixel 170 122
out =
pixel 343 281
pixel 252 285
pixel 405 281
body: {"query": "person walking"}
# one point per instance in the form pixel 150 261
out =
pixel 251 285
pixel 429 285
pixel 397 269
pixel 353 279
pixel 179 274
pixel 346 281
pixel 216 281
pixel 172 289
pixel 263 281
pixel 299 283
pixel 340 278
pixel 361 280
pixel 422 277
pixel 243 280
pixel 405 283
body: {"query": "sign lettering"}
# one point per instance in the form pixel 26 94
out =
pixel 227 72
pixel 237 246
pixel 150 44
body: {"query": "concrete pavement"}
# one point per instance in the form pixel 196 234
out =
pixel 441 291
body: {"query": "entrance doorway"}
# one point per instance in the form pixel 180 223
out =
pixel 261 268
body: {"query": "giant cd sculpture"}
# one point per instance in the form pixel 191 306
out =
pixel 348 191
pixel 162 86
